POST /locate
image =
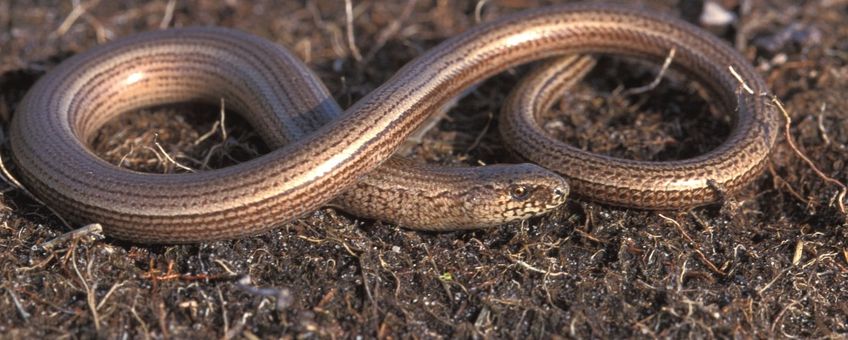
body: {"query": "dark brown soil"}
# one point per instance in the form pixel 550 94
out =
pixel 771 261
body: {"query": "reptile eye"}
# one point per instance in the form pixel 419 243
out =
pixel 519 192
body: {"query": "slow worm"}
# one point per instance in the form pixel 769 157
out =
pixel 323 154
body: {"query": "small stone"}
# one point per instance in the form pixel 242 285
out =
pixel 716 16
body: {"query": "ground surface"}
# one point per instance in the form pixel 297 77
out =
pixel 771 261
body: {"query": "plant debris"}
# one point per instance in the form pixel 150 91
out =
pixel 772 261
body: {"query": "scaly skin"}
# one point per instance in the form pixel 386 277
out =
pixel 58 117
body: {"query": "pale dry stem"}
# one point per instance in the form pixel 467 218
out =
pixel 840 197
pixel 169 14
pixel 656 82
pixel 351 40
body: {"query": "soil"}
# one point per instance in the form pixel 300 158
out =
pixel 769 261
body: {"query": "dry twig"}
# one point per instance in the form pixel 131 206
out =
pixel 169 14
pixel 168 157
pixel 531 268
pixel 78 11
pixel 695 246
pixel 94 230
pixel 840 197
pixel 391 30
pixel 11 180
pixel 89 290
pixel 478 11
pixel 351 41
pixel 656 82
